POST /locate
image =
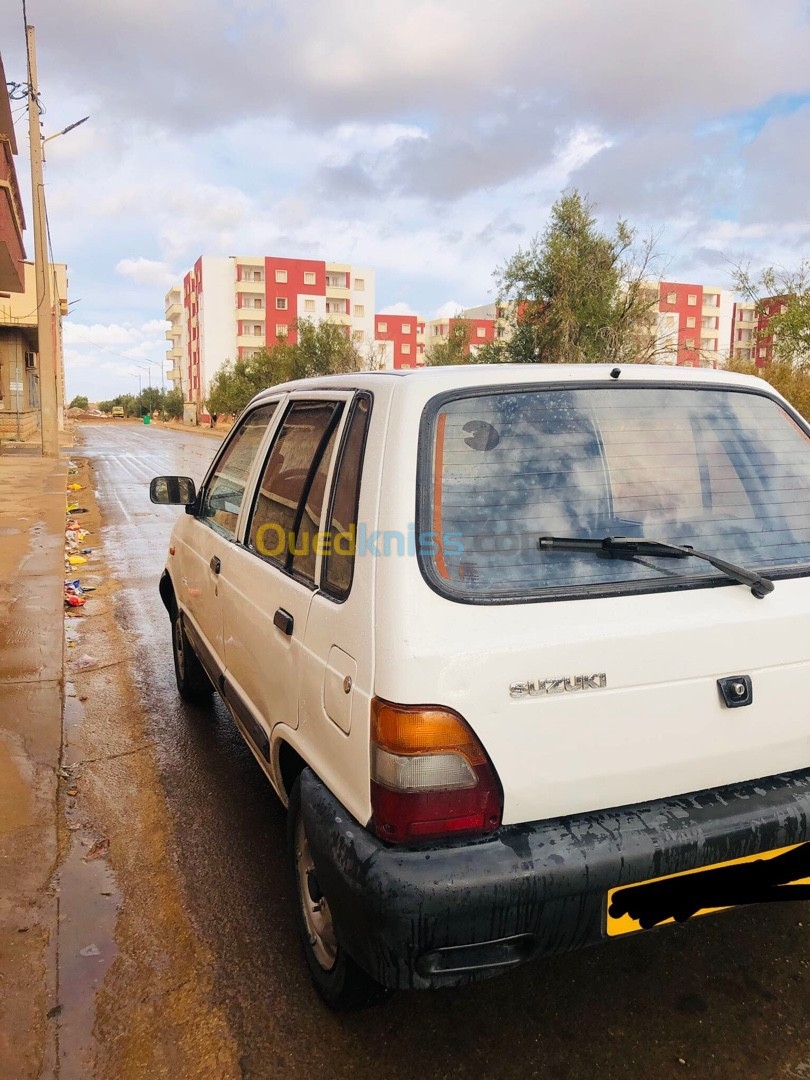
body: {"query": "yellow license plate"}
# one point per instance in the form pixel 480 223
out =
pixel 778 875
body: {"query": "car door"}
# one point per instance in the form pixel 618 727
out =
pixel 205 545
pixel 271 574
pixel 338 676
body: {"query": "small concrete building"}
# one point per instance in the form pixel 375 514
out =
pixel 19 344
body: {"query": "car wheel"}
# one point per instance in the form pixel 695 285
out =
pixel 340 982
pixel 192 682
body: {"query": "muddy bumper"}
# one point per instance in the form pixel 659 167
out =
pixel 456 913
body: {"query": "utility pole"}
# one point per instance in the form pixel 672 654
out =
pixel 47 357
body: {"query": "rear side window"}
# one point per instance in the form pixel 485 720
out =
pixel 225 490
pixel 338 563
pixel 286 513
pixel 725 471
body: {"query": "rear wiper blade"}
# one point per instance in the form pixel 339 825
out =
pixel 627 547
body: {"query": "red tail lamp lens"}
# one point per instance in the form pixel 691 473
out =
pixel 430 776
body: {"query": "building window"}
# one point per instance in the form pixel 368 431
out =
pixel 281 277
pixel 672 298
pixel 406 348
pixel 405 365
pixel 281 329
pixel 382 328
pixel 691 299
pixel 359 311
pixel 281 303
pixel 406 328
pixel 359 284
pixel 258 329
pixel 763 353
pixel 309 277
pixel 258 275
pixel 691 322
pixel 689 343
pixel 358 335
pixel 309 305
pixel 480 331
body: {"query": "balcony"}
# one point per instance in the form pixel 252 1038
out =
pixel 173 311
pixel 250 286
pixel 174 375
pixel 250 341
pixel 339 318
pixel 337 292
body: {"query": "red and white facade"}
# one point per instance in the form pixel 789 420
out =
pixel 694 324
pixel 400 340
pixel 750 337
pixel 231 308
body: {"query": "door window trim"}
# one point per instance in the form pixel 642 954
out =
pixel 332 594
pixel 341 398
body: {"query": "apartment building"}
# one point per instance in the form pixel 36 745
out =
pixel 400 340
pixel 750 337
pixel 230 308
pixel 694 324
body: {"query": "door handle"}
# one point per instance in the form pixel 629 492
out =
pixel 284 621
pixel 215 564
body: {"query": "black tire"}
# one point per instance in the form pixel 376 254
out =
pixel 342 985
pixel 192 682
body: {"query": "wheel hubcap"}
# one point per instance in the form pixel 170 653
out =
pixel 317 916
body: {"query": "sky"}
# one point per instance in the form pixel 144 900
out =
pixel 427 139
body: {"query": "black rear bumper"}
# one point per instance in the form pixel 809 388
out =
pixel 453 914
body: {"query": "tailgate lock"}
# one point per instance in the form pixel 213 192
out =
pixel 736 691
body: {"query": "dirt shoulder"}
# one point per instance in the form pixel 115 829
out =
pixel 135 979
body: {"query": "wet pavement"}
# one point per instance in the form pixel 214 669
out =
pixel 725 996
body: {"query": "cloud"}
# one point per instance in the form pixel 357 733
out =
pixel 146 271
pixel 448 310
pixel 418 139
pixel 103 360
pixel 400 308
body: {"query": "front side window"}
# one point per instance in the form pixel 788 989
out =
pixel 286 512
pixel 225 490
pixel 725 471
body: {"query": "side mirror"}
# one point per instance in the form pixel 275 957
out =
pixel 172 491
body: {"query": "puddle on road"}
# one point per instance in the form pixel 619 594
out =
pixel 88 906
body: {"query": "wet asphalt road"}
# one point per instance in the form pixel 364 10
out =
pixel 725 996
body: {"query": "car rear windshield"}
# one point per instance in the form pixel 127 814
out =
pixel 726 471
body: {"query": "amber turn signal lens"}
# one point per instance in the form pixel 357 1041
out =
pixel 401 729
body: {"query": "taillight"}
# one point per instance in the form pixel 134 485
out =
pixel 429 775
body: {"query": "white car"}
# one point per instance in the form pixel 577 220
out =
pixel 525 650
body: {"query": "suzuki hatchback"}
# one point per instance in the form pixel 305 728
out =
pixel 524 649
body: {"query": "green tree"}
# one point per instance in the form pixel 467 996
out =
pixel 783 296
pixel 79 402
pixel 453 349
pixel 173 404
pixel 106 406
pixel 321 349
pixel 580 295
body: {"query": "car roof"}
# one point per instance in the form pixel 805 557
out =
pixel 434 380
